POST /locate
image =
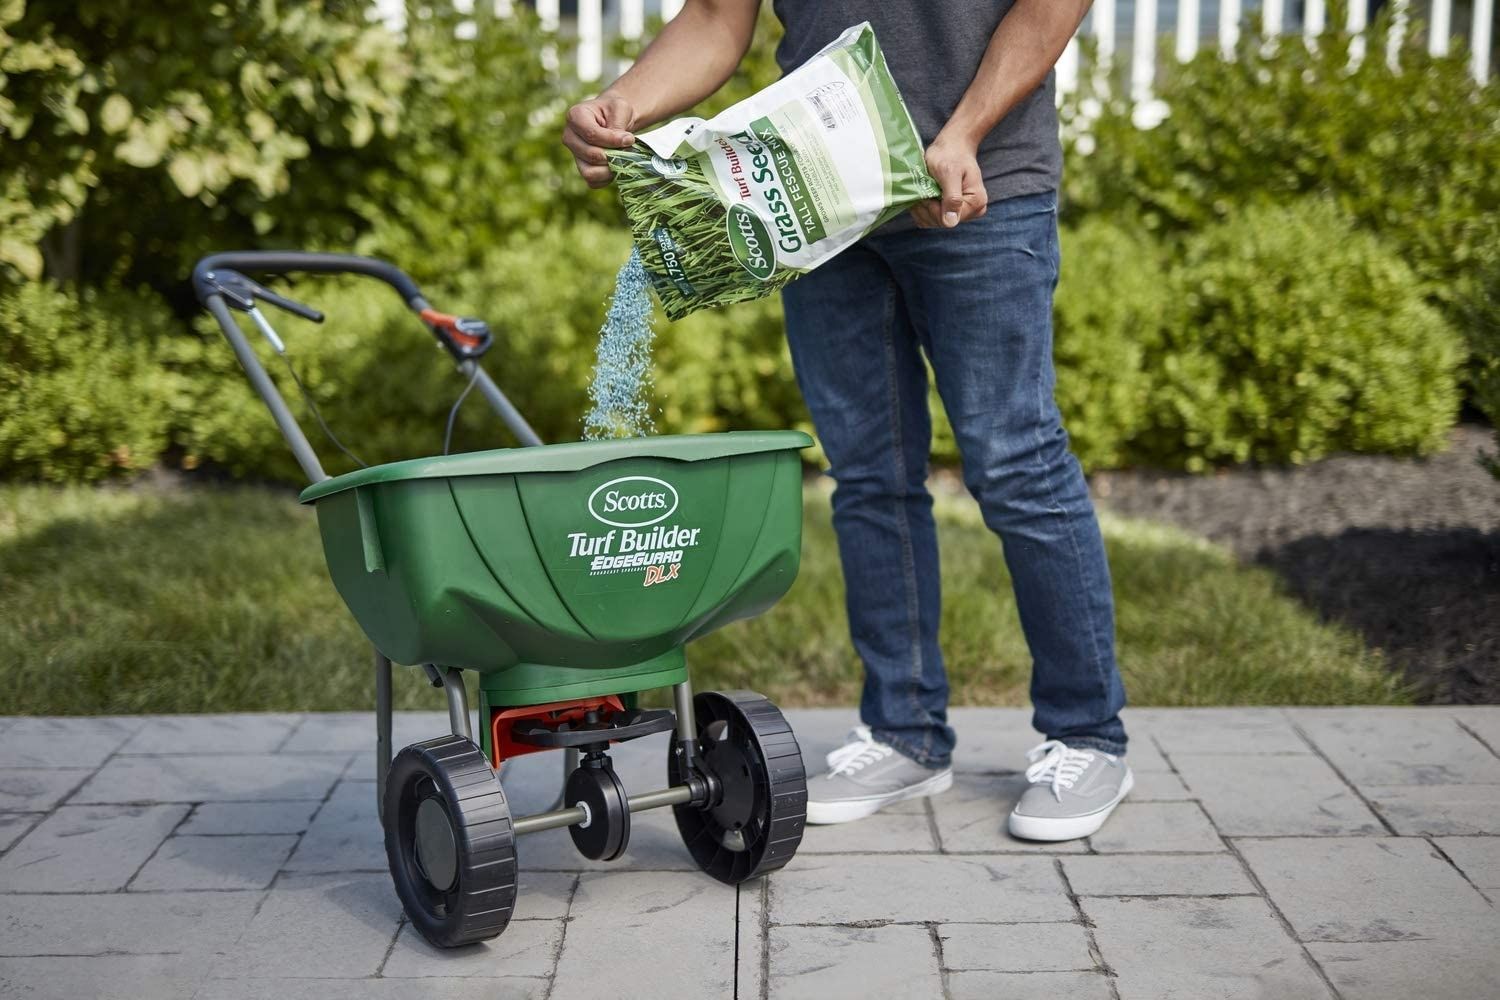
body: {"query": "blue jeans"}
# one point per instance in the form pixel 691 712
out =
pixel 977 302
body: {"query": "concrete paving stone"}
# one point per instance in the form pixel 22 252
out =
pixel 1366 888
pixel 1158 786
pixel 1188 949
pixel 447 988
pixel 817 889
pixel 344 836
pixel 63 742
pixel 87 848
pixel 248 777
pixel 1028 986
pixel 1477 857
pixel 1144 827
pixel 1398 746
pixel 1220 730
pixel 971 817
pixel 1259 795
pixel 103 977
pixel 1483 721
pixel 34 789
pixel 209 734
pixel 339 732
pixel 334 926
pixel 14 826
pixel 1045 947
pixel 884 833
pixel 1157 875
pixel 671 933
pixel 212 818
pixel 1400 970
pixel 992 740
pixel 543 895
pixel 1440 810
pixel 190 923
pixel 248 862
pixel 526 948
pixel 821 962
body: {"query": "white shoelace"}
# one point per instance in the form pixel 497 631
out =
pixel 861 751
pixel 1054 762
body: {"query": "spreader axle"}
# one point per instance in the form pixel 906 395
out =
pixel 677 796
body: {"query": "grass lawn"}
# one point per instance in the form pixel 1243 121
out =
pixel 192 599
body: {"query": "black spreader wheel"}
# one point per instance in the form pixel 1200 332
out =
pixel 449 842
pixel 756 824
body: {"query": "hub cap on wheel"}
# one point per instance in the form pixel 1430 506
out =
pixel 437 851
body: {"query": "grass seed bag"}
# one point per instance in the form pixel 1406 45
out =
pixel 734 207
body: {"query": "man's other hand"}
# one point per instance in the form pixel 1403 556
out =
pixel 954 164
pixel 594 126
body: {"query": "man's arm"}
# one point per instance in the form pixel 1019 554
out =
pixel 692 57
pixel 1021 52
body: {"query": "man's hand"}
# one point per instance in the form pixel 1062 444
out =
pixel 594 126
pixel 953 162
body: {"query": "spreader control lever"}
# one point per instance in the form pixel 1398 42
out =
pixel 464 337
pixel 242 293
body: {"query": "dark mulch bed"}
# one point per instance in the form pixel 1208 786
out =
pixel 1406 551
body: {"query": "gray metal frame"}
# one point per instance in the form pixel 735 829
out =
pixel 452 678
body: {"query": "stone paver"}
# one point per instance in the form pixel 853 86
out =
pixel 1144 827
pixel 333 926
pixel 1265 795
pixel 1367 889
pixel 212 818
pixel 1164 949
pixel 238 856
pixel 34 789
pixel 249 862
pixel 1441 810
pixel 671 932
pixel 210 734
pixel 1411 969
pixel 1028 986
pixel 820 889
pixel 1399 746
pixel 815 963
pixel 1157 875
pixel 213 778
pixel 1477 857
pixel 87 848
pixel 1042 947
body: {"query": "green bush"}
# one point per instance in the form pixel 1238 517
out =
pixel 83 393
pixel 1109 319
pixel 1294 335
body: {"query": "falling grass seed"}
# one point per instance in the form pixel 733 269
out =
pixel 734 207
pixel 620 396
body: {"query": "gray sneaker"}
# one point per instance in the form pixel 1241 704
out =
pixel 864 776
pixel 1072 792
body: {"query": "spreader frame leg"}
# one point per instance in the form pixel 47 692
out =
pixel 458 703
pixel 382 728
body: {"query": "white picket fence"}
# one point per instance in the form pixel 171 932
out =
pixel 598 23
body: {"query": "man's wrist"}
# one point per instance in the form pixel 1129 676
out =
pixel 964 131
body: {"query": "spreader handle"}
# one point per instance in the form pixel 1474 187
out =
pixel 285 261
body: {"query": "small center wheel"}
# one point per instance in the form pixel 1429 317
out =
pixel 437 850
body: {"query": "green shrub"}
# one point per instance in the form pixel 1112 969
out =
pixel 83 394
pixel 1295 335
pixel 1410 154
pixel 1109 317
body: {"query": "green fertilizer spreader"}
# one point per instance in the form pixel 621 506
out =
pixel 569 578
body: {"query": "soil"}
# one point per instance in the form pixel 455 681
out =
pixel 1405 551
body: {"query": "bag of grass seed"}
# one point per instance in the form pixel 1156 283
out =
pixel 734 207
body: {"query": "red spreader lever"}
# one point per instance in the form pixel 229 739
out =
pixel 464 337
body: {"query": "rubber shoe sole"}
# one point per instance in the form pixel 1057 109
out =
pixel 1066 828
pixel 848 810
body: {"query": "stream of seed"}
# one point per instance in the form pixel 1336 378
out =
pixel 620 395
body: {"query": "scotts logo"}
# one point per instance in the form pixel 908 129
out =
pixel 633 501
pixel 751 241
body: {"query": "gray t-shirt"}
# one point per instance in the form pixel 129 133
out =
pixel 933 48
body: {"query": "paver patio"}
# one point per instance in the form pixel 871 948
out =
pixel 1317 853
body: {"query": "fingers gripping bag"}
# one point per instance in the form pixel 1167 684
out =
pixel 734 207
